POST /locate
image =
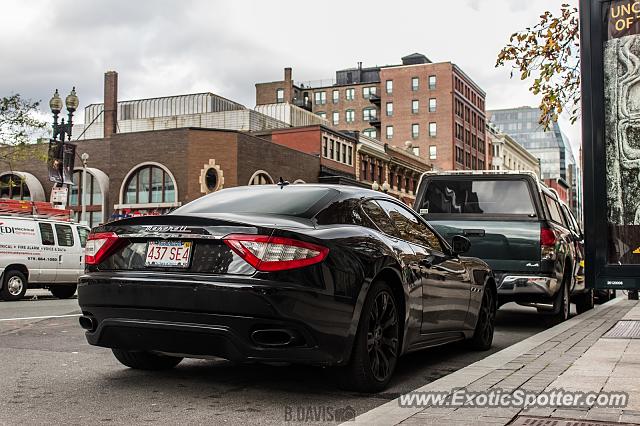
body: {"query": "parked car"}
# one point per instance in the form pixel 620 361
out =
pixel 582 296
pixel 316 274
pixel 515 224
pixel 40 252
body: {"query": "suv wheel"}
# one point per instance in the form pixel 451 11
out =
pixel 561 305
pixel 63 291
pixel 14 285
pixel 585 302
pixel 141 360
pixel 376 346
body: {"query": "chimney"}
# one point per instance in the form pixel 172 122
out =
pixel 288 85
pixel 110 103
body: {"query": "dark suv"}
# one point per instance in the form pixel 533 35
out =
pixel 515 224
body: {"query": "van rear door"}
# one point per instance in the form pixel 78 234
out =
pixel 497 213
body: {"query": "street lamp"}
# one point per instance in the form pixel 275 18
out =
pixel 83 216
pixel 63 129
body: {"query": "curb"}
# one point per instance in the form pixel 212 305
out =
pixel 391 413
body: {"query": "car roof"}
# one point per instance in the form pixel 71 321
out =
pixel 346 190
pixel 40 219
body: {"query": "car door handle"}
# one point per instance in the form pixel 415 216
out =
pixel 59 258
pixel 473 232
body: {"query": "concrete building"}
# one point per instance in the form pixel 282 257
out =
pixel 551 147
pixel 436 106
pixel 507 154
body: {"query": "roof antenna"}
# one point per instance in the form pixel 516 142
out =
pixel 282 183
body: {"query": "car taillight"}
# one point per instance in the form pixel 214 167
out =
pixel 269 254
pixel 99 246
pixel 547 237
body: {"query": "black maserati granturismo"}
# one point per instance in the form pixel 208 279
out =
pixel 318 274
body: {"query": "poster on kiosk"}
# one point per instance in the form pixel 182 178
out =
pixel 610 56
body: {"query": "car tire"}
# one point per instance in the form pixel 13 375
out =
pixel 63 291
pixel 485 326
pixel 142 360
pixel 613 295
pixel 376 345
pixel 561 305
pixel 585 302
pixel 14 285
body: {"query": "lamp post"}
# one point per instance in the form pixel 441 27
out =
pixel 83 216
pixel 63 129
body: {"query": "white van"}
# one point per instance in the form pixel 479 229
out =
pixel 37 252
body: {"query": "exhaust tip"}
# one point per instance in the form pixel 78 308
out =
pixel 89 323
pixel 274 337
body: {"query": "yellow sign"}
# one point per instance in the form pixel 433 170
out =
pixel 637 251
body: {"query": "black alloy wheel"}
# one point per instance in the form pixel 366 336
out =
pixel 376 346
pixel 485 327
pixel 382 336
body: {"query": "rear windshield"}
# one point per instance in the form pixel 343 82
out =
pixel 477 197
pixel 292 200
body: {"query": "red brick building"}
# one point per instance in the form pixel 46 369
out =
pixel 436 106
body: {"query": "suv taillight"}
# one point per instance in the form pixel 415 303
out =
pixel 270 254
pixel 99 246
pixel 547 243
pixel 547 237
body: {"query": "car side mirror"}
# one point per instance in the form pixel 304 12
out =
pixel 460 245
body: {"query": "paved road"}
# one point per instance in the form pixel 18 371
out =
pixel 50 375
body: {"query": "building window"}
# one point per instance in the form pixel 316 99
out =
pixel 260 178
pixel 14 187
pixel 368 91
pixel 389 132
pixel 415 83
pixel 432 82
pixel 433 130
pixel 416 151
pixel 369 114
pixel 331 148
pixel 350 115
pixel 325 147
pixel 389 86
pixel 150 184
pixel 370 132
pixel 336 118
pixel 93 199
pixel 415 106
pixel 320 98
pixel 389 109
pixel 350 94
pixel 336 96
pixel 433 151
pixel 432 105
pixel 322 114
pixel 344 154
pixel 350 156
pixel 280 96
pixel 415 130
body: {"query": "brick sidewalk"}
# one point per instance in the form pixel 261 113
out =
pixel 566 356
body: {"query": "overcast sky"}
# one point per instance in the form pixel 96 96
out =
pixel 163 47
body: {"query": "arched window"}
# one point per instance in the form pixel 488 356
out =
pixel 260 178
pixel 93 199
pixel 149 184
pixel 14 187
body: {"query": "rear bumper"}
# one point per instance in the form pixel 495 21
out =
pixel 216 318
pixel 527 289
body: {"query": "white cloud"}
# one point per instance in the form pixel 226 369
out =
pixel 162 47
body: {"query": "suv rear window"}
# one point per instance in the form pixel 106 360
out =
pixel 482 196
